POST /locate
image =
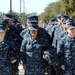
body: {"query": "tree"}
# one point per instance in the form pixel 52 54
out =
pixel 68 7
pixel 51 11
pixel 21 18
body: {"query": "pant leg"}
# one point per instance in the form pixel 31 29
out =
pixel 7 71
pixel 68 72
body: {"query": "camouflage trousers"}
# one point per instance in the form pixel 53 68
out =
pixel 34 72
pixel 69 72
pixel 6 69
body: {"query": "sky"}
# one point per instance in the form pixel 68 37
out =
pixel 30 5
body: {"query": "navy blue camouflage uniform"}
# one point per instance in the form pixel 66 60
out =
pixel 56 31
pixel 23 33
pixel 8 52
pixel 66 53
pixel 13 34
pixel 33 50
pixel 49 30
pixel 43 33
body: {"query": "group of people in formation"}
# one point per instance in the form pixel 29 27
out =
pixel 46 50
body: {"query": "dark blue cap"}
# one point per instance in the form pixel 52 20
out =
pixel 32 19
pixel 70 23
pixel 5 22
pixel 7 16
pixel 64 19
pixel 33 27
pixel 60 15
pixel 16 21
pixel 56 23
pixel 53 21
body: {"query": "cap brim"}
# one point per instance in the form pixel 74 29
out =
pixel 31 28
pixel 5 17
pixel 2 31
pixel 71 27
pixel 56 23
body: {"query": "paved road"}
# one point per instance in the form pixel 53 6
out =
pixel 21 71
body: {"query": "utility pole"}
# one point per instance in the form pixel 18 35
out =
pixel 23 11
pixel 10 7
pixel 20 7
pixel 20 12
pixel 23 6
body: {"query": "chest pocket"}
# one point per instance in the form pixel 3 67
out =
pixel 28 47
pixel 33 48
pixel 30 54
pixel 29 51
pixel 37 46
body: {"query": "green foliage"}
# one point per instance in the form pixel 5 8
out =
pixel 69 6
pixel 16 15
pixel 33 13
pixel 21 17
pixel 62 6
pixel 51 11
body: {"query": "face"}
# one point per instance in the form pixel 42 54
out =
pixel 10 21
pixel 59 20
pixel 71 32
pixel 64 26
pixel 2 34
pixel 34 33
